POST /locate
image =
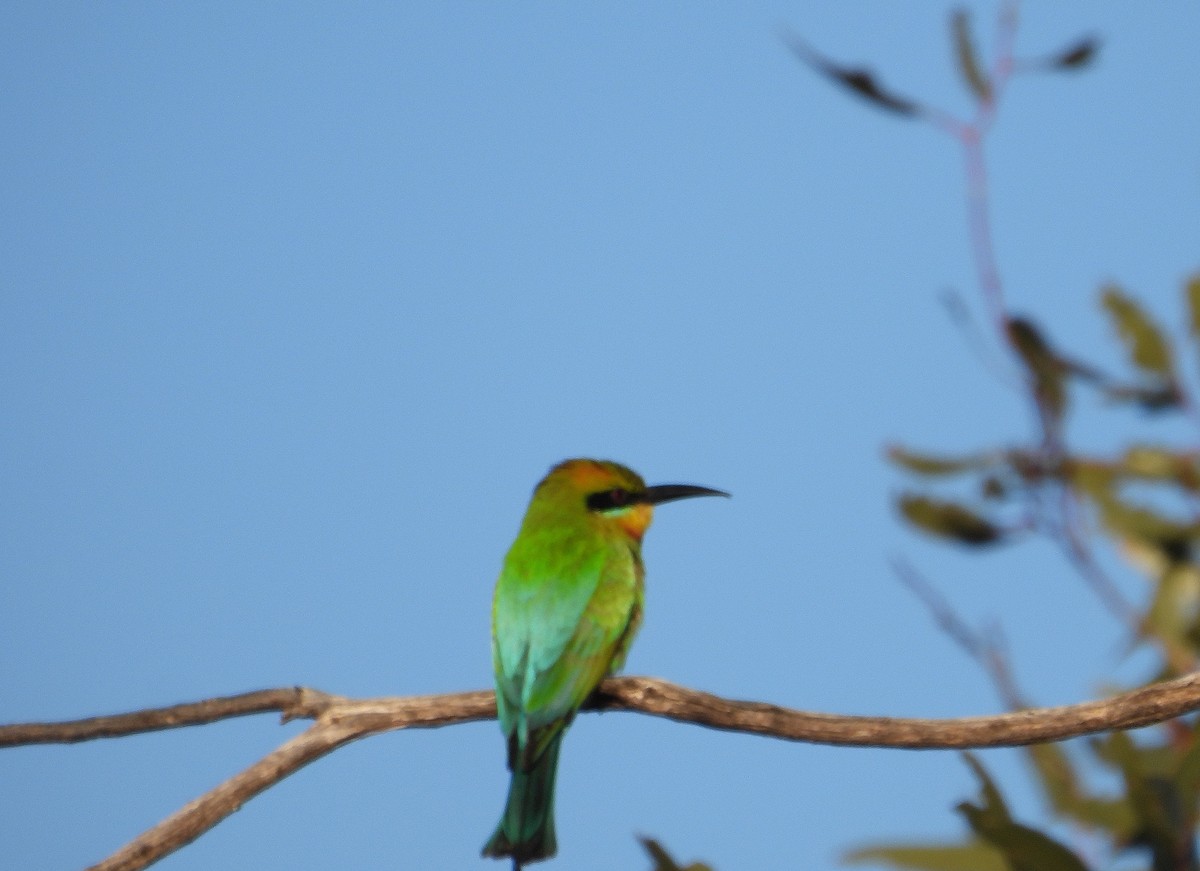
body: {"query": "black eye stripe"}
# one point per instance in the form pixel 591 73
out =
pixel 606 500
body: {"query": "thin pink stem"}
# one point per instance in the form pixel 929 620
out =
pixel 979 221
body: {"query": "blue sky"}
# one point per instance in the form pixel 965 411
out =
pixel 297 302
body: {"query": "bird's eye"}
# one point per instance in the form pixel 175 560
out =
pixel 607 500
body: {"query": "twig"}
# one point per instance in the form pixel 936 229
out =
pixel 987 649
pixel 1073 543
pixel 960 315
pixel 971 137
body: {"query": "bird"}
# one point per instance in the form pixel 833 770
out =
pixel 567 605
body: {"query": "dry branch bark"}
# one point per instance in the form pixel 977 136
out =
pixel 340 720
pixel 289 700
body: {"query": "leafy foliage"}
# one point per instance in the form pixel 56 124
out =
pixel 1077 501
pixel 1156 813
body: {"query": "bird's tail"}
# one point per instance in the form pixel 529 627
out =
pixel 526 830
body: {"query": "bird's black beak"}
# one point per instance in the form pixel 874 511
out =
pixel 670 492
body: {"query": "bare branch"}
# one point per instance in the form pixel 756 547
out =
pixel 341 720
pixel 648 695
pixel 198 816
pixel 293 702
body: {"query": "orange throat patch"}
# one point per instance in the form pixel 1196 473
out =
pixel 636 521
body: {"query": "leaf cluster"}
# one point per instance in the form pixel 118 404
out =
pixel 865 84
pixel 1011 483
pixel 1120 497
pixel 1045 489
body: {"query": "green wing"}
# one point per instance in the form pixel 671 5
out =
pixel 556 630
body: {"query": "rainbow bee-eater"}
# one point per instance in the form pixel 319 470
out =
pixel 567 605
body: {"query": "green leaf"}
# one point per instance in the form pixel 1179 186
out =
pixel 1044 366
pixel 1027 849
pixel 1147 347
pixel 1024 848
pixel 858 80
pixel 976 856
pixel 1058 779
pixel 662 859
pixel 1119 752
pixel 1126 520
pixel 664 862
pixel 948 520
pixel 1193 297
pixel 1164 823
pixel 1169 616
pixel 1114 815
pixel 1076 56
pixel 994 810
pixel 968 60
pixel 1161 464
pixel 1187 774
pixel 1145 526
pixel 928 464
pixel 1147 462
pixel 1065 794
